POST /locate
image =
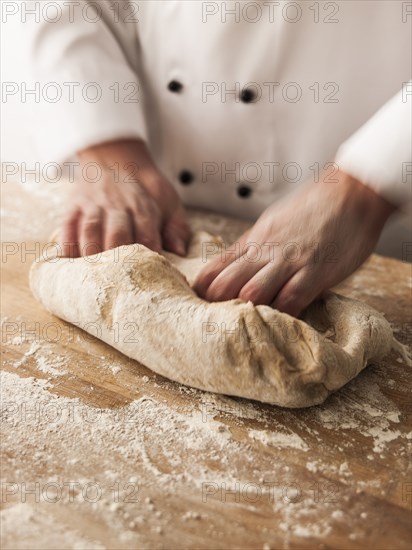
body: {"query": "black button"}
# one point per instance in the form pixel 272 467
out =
pixel 175 86
pixel 247 95
pixel 186 177
pixel 244 191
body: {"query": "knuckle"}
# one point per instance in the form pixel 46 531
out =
pixel 145 206
pixel 91 224
pixel 153 212
pixel 117 213
pixel 71 217
pixel 140 214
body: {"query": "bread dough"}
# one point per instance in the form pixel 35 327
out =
pixel 141 303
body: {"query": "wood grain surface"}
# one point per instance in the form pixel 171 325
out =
pixel 98 452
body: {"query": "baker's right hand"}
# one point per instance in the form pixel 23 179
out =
pixel 131 202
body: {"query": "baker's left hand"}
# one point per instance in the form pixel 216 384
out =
pixel 299 247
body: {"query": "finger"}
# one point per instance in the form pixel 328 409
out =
pixel 299 291
pixel 214 267
pixel 263 288
pixel 118 229
pixel 69 240
pixel 233 278
pixel 146 225
pixel 91 231
pixel 176 233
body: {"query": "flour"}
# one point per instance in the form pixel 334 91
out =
pixel 145 444
pixel 279 439
pixel 17 340
pixel 33 524
pixel 381 436
pixel 295 522
pixel 372 417
pixel 115 369
pixel 312 466
pixel 52 364
pixel 191 515
pixel 313 531
pixel 212 404
pixel 46 360
pixel 344 469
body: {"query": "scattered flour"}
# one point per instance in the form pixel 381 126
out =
pixel 17 340
pixel 212 404
pixel 46 360
pixel 51 363
pixel 363 408
pixel 144 446
pixel 37 526
pixel 115 369
pixel 279 439
pixel 191 515
pixel 312 466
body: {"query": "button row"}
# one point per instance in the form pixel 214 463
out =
pixel 186 178
pixel 246 96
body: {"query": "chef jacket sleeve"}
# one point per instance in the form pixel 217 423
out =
pixel 86 57
pixel 379 154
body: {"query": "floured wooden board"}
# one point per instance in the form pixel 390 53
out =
pixel 123 458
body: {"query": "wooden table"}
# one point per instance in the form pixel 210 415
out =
pixel 117 457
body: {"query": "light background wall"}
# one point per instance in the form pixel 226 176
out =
pixel 16 143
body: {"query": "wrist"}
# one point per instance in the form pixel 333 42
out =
pixel 371 204
pixel 120 151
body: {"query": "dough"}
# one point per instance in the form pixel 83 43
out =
pixel 141 303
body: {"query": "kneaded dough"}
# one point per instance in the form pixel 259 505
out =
pixel 142 304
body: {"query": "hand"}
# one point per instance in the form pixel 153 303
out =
pixel 131 202
pixel 299 247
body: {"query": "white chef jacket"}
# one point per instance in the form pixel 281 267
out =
pixel 239 102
